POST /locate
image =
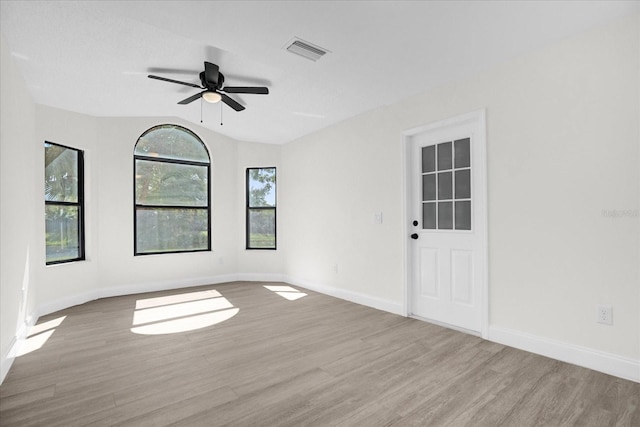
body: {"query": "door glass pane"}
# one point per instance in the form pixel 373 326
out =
pixel 161 183
pixel 429 216
pixel 463 215
pixel 429 159
pixel 62 234
pixel 463 184
pixel 444 186
pixel 462 153
pixel 429 187
pixel 262 228
pixel 444 156
pixel 445 215
pixel 171 229
pixel 60 174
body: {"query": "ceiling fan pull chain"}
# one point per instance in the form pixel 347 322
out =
pixel 200 110
pixel 221 114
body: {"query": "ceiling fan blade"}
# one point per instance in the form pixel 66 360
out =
pixel 231 102
pixel 192 98
pixel 162 70
pixel 164 79
pixel 247 89
pixel 211 73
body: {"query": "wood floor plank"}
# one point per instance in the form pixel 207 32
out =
pixel 26 398
pixel 314 361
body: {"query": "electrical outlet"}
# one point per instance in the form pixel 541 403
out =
pixel 604 314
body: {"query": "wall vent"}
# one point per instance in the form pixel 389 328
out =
pixel 305 49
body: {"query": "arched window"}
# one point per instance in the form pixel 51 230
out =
pixel 172 187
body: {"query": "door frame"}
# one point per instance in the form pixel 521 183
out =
pixel 407 182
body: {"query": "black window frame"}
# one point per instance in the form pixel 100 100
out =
pixel 137 206
pixel 79 205
pixel 261 208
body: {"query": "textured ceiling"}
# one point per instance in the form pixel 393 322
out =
pixel 93 57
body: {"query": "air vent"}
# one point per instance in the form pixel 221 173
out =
pixel 306 49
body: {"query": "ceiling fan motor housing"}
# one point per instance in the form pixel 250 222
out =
pixel 212 85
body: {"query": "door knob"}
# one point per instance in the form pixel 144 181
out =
pixel 415 223
pixel 415 236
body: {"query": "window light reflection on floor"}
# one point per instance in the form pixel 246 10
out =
pixel 287 292
pixel 181 312
pixel 38 335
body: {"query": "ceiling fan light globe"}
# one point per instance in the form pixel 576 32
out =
pixel 211 97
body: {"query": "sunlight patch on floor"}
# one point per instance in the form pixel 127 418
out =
pixel 38 335
pixel 171 311
pixel 181 312
pixel 174 299
pixel 287 292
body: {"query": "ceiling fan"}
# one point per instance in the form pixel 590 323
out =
pixel 212 80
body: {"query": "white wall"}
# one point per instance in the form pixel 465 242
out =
pixel 563 146
pixel 111 268
pixel 77 131
pixel 333 183
pixel 17 181
pixel 116 140
pixel 258 264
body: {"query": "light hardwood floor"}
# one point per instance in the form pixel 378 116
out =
pixel 313 361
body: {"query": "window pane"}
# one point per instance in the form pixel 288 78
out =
pixel 262 228
pixel 429 187
pixel 463 215
pixel 60 174
pixel 160 183
pixel 262 187
pixel 462 153
pixel 463 184
pixel 428 159
pixel 172 142
pixel 445 215
pixel 171 230
pixel 62 232
pixel 444 156
pixel 445 186
pixel 429 216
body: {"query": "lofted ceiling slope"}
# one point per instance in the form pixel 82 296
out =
pixel 93 57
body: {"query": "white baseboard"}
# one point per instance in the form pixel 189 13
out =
pixel 260 277
pixel 7 360
pixel 139 288
pixel 18 339
pixel 358 298
pixel 131 289
pixel 607 363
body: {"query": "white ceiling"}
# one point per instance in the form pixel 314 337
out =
pixel 93 57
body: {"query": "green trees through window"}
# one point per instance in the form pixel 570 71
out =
pixel 172 187
pixel 64 203
pixel 261 208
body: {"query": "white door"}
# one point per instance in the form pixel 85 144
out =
pixel 447 224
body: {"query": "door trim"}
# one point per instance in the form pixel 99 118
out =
pixel 480 117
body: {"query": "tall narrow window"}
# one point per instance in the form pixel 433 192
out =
pixel 172 187
pixel 64 203
pixel 261 208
